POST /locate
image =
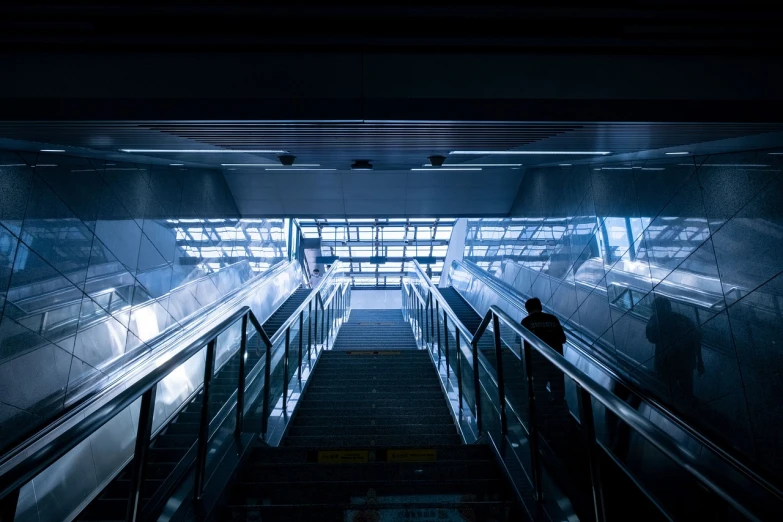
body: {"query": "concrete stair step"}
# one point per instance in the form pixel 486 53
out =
pixel 401 429
pixel 350 441
pixel 414 471
pixel 378 420
pixel 488 511
pixel 444 453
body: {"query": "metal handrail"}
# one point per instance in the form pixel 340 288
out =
pixel 315 293
pixel 514 300
pixel 589 389
pixel 38 460
pixel 89 401
pixel 31 463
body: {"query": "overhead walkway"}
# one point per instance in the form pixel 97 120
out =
pixel 320 412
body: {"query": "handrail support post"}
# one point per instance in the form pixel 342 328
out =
pixel 241 381
pixel 587 423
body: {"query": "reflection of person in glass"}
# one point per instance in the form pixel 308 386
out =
pixel 546 377
pixel 677 343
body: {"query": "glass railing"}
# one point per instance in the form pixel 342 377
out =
pixel 511 393
pixel 233 382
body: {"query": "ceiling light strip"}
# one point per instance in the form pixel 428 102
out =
pixel 447 168
pixel 207 151
pixel 266 165
pixel 477 165
pixel 529 152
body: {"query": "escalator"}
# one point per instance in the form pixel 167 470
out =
pixel 639 485
pixel 179 437
pixel 372 439
pixel 355 415
pixel 560 441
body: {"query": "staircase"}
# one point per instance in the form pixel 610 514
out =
pixel 179 436
pixel 373 439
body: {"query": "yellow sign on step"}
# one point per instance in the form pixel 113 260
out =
pixel 343 456
pixel 412 455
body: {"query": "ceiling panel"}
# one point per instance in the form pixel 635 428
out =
pixel 393 147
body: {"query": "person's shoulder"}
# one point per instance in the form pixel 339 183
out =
pixel 548 317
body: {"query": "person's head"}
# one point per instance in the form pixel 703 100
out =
pixel 533 305
pixel 662 306
pixel 316 271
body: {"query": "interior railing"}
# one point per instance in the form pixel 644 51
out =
pixel 258 406
pixel 708 441
pixel 486 408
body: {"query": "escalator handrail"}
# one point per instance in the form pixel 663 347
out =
pixel 512 297
pixel 30 461
pixel 25 449
pixel 642 425
pixel 34 461
pixel 315 294
pixel 646 428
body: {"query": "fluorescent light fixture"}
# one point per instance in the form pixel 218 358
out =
pixel 448 168
pixel 207 151
pixel 565 165
pixel 776 153
pixel 14 165
pixel 722 165
pixel 295 168
pixel 477 165
pixel 683 153
pixel 52 150
pixel 653 168
pixel 530 152
pixel 616 168
pixel 266 164
pixel 44 165
pixel 176 164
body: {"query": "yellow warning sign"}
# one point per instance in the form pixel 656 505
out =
pixel 343 457
pixel 412 455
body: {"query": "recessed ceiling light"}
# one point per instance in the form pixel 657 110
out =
pixel 52 150
pixel 207 151
pixel 266 164
pixel 529 152
pixel 296 168
pixel 448 168
pixel 683 153
pixel 480 165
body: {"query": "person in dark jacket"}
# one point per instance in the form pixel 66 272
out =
pixel 677 343
pixel 548 380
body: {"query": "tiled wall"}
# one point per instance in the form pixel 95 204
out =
pixel 82 242
pixel 598 243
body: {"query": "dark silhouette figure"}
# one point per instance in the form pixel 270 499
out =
pixel 677 343
pixel 548 380
pixel 428 271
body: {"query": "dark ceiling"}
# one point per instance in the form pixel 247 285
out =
pixel 631 26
